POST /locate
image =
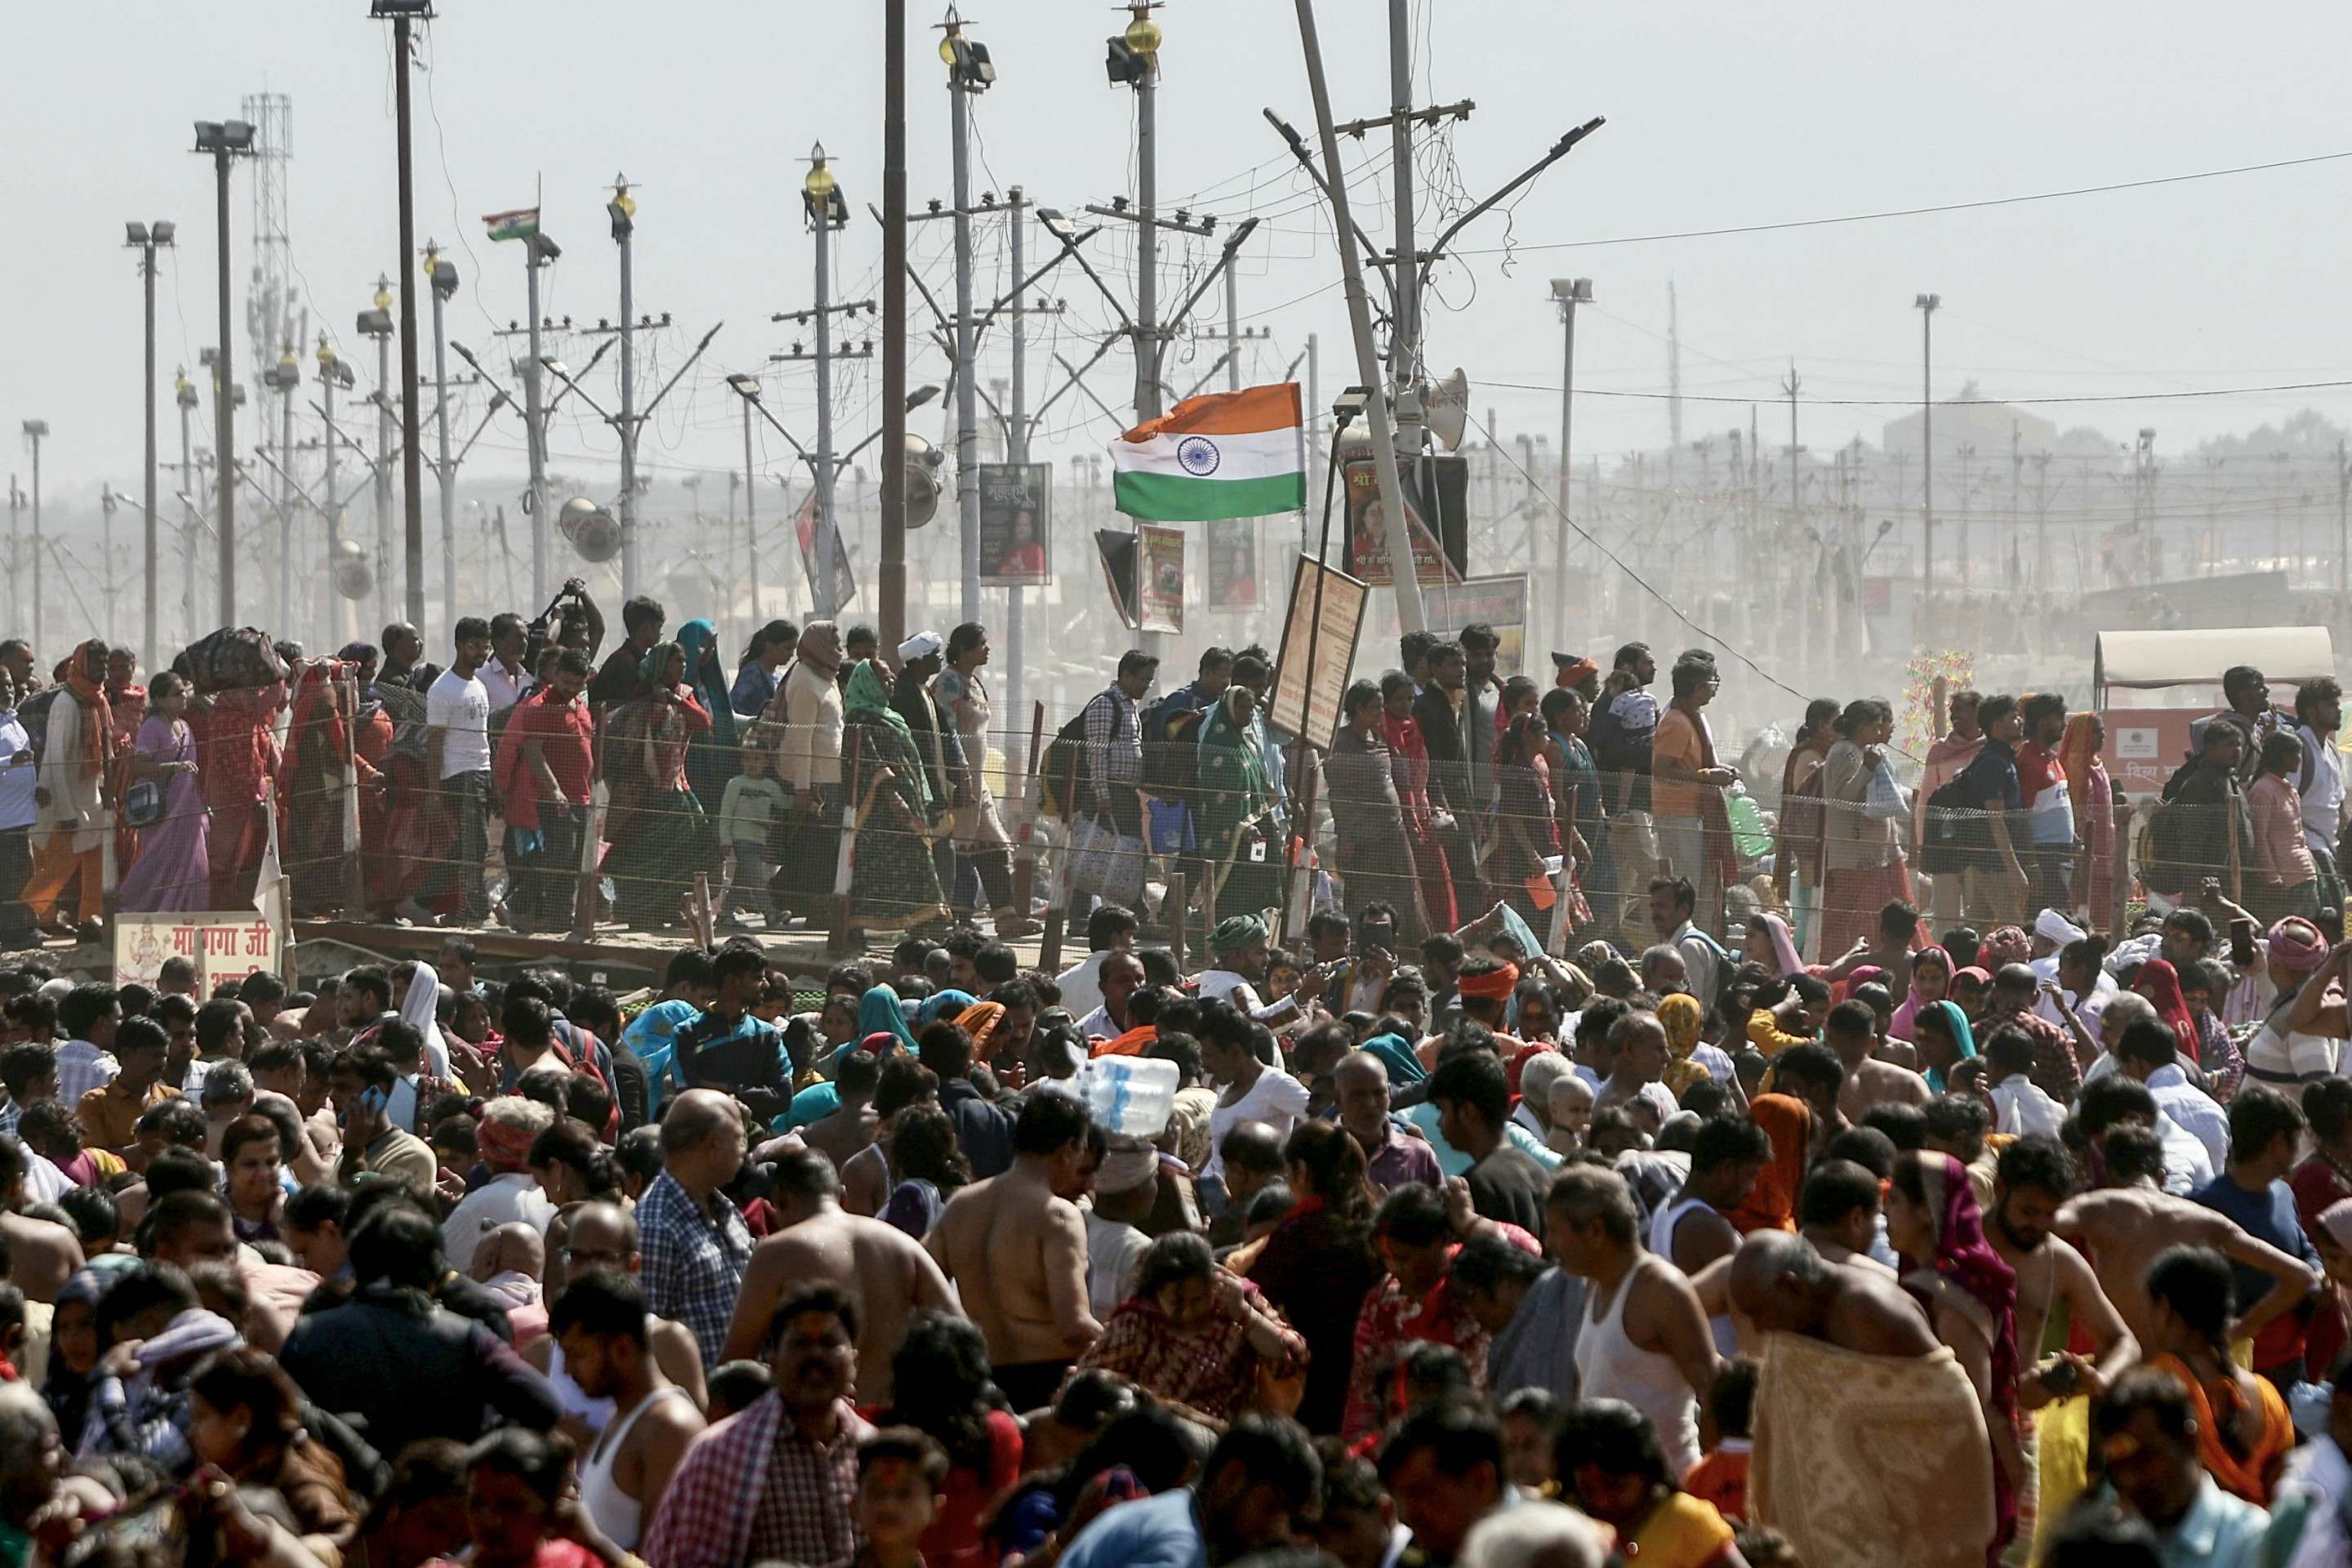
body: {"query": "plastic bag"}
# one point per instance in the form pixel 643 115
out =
pixel 1107 864
pixel 1886 800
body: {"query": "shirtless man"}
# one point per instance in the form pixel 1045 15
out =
pixel 1016 1244
pixel 2034 1178
pixel 1851 1033
pixel 1727 1157
pixel 600 1323
pixel 604 1236
pixel 1780 1282
pixel 1812 1073
pixel 2124 1226
pixel 851 1127
pixel 885 1272
pixel 46 1254
pixel 1837 1212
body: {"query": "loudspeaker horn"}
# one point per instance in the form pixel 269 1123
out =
pixel 923 461
pixel 594 533
pixel 1447 407
pixel 354 578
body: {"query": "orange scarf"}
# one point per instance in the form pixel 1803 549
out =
pixel 2251 1477
pixel 97 717
pixel 1771 1204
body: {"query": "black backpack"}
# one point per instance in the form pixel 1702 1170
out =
pixel 1956 836
pixel 1063 765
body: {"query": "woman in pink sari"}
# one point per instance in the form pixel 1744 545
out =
pixel 1402 732
pixel 2094 816
pixel 1931 982
pixel 1971 1297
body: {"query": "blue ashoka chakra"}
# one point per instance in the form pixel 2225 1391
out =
pixel 1198 455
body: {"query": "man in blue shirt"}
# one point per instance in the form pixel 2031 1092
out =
pixel 1261 1475
pixel 1993 884
pixel 2265 1131
pixel 729 1047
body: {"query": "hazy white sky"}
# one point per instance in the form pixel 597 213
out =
pixel 1719 116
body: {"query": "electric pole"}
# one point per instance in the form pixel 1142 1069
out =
pixel 145 238
pixel 1967 452
pixel 622 210
pixel 1568 293
pixel 377 324
pixel 1926 305
pixel 333 373
pixel 749 390
pixel 826 209
pixel 1016 450
pixel 192 522
pixel 402 13
pixel 893 587
pixel 441 277
pixel 969 72
pixel 36 431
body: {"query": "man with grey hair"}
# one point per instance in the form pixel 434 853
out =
pixel 692 1238
pixel 1536 1535
pixel 226 1095
pixel 510 1125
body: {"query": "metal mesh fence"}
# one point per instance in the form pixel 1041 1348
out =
pixel 633 815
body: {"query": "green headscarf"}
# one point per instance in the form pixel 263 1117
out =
pixel 653 668
pixel 1395 1053
pixel 1231 773
pixel 865 699
pixel 1962 1036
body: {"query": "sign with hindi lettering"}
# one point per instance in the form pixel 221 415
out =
pixel 223 944
pixel 1500 603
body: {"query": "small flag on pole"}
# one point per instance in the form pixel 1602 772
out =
pixel 521 224
pixel 1229 454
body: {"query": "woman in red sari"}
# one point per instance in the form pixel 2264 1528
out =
pixel 311 786
pixel 1402 732
pixel 2094 815
pixel 658 833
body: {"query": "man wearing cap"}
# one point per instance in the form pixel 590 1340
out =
pixel 1127 1185
pixel 1577 674
pixel 921 657
pixel 2052 934
pixel 1238 945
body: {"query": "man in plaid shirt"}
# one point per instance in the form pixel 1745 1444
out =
pixel 1114 741
pixel 779 1481
pixel 693 1239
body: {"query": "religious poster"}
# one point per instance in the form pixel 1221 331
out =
pixel 225 946
pixel 1307 702
pixel 1367 536
pixel 1161 578
pixel 845 581
pixel 1232 573
pixel 1497 602
pixel 1016 525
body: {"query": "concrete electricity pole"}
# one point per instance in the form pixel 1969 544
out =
pixel 749 390
pixel 403 14
pixel 333 373
pixel 377 324
pixel 221 141
pixel 622 210
pixel 36 432
pixel 1927 305
pixel 145 238
pixel 893 461
pixel 192 522
pixel 1568 293
pixel 969 72
pixel 826 209
pixel 442 278
pixel 17 501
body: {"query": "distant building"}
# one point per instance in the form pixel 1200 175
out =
pixel 1969 420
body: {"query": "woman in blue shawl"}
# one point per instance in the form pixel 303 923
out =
pixel 1940 1031
pixel 1396 1054
pixel 716 757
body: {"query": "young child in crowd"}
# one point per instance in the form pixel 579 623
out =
pixel 753 802
pixel 1720 1477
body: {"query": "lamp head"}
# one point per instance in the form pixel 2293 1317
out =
pixel 1927 301
pixel 746 386
pixel 920 395
pixel 135 234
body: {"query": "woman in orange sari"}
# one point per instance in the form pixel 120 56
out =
pixel 1771 1204
pixel 2244 1430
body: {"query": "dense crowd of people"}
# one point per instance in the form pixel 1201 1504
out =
pixel 1572 1145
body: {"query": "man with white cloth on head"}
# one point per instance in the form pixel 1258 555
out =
pixel 509 1126
pixel 1126 1186
pixel 2052 934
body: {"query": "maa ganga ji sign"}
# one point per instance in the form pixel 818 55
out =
pixel 228 945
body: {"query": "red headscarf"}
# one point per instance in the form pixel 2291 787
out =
pixel 2160 983
pixel 98 718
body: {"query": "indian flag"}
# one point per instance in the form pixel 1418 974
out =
pixel 521 224
pixel 1230 454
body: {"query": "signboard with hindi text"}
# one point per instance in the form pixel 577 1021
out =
pixel 1368 535
pixel 1231 545
pixel 224 945
pixel 1307 702
pixel 1159 578
pixel 1500 603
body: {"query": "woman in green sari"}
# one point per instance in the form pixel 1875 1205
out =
pixel 893 879
pixel 1236 809
pixel 657 827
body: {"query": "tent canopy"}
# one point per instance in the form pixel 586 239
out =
pixel 2287 656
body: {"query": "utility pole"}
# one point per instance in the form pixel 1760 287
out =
pixel 1967 450
pixel 285 378
pixel 1016 450
pixel 17 503
pixel 2343 530
pixel 402 13
pixel 538 249
pixel 333 373
pixel 1568 293
pixel 826 209
pixel 2041 519
pixel 1143 38
pixel 441 277
pixel 1926 305
pixel 144 238
pixel 36 431
pixel 107 501
pixel 969 72
pixel 622 210
pixel 192 522
pixel 378 325
pixel 1359 321
pixel 1673 369
pixel 751 396
pixel 893 461
pixel 221 141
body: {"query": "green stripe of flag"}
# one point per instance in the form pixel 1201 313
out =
pixel 1178 498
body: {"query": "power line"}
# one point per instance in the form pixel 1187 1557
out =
pixel 1921 211
pixel 1989 403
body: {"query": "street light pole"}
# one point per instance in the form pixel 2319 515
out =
pixel 145 238
pixel 962 85
pixel 748 389
pixel 821 200
pixel 441 277
pixel 1568 293
pixel 221 139
pixel 377 324
pixel 534 415
pixel 622 210
pixel 183 392
pixel 893 585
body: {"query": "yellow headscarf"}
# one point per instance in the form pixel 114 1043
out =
pixel 1682 1018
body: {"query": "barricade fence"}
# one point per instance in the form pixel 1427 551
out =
pixel 765 825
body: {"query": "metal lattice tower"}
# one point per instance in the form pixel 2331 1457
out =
pixel 273 319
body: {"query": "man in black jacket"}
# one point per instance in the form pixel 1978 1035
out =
pixel 405 1367
pixel 1446 713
